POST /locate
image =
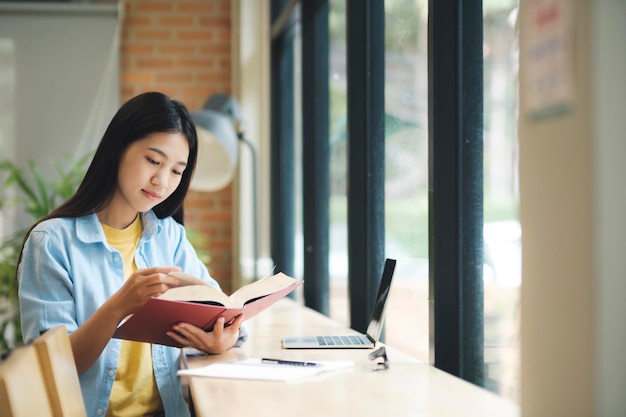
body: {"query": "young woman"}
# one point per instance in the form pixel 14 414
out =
pixel 106 251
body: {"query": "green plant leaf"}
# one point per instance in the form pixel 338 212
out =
pixel 70 175
pixel 16 178
pixel 37 197
pixel 46 195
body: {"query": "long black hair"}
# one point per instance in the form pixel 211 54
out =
pixel 139 117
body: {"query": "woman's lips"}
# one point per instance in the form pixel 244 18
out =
pixel 152 195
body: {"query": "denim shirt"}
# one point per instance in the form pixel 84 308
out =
pixel 68 270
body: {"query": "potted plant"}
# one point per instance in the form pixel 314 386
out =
pixel 35 196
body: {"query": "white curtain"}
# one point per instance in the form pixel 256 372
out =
pixel 59 80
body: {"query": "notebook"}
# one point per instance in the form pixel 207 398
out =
pixel 352 341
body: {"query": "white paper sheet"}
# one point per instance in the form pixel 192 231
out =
pixel 255 369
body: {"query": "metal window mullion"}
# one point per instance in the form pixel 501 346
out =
pixel 366 155
pixel 282 148
pixel 456 187
pixel 315 155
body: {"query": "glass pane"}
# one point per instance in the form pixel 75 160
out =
pixel 338 233
pixel 502 232
pixel 406 173
pixel 406 179
pixel 297 137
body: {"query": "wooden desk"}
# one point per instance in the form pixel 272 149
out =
pixel 407 388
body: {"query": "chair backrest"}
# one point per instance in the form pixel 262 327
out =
pixel 23 391
pixel 59 372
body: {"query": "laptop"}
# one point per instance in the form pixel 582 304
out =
pixel 352 341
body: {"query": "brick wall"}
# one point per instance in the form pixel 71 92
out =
pixel 183 49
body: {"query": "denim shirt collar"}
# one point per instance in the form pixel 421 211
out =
pixel 89 229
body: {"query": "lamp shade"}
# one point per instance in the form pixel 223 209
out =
pixel 217 151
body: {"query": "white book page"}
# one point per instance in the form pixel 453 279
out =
pixel 194 289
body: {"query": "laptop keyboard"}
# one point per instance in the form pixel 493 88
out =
pixel 341 340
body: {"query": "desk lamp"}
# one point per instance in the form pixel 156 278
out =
pixel 219 132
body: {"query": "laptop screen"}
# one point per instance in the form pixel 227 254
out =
pixel 375 326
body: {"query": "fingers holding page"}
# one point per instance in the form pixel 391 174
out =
pixel 154 281
pixel 141 286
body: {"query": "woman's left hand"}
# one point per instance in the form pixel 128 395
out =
pixel 217 341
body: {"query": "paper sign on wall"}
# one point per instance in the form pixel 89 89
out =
pixel 548 53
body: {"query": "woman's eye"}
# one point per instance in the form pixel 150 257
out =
pixel 177 172
pixel 152 161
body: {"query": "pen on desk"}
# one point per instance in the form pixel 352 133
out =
pixel 286 362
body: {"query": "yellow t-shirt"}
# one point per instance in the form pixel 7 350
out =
pixel 134 391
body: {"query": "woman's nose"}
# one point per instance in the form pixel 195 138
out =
pixel 159 179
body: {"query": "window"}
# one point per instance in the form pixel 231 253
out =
pixel 406 179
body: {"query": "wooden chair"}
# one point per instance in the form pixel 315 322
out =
pixel 59 372
pixel 23 391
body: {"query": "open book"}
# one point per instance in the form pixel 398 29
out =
pixel 200 304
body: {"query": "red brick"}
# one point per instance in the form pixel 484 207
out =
pixel 161 63
pixel 215 21
pixel 175 21
pixel 136 77
pixel 152 35
pixel 176 48
pixel 217 79
pixel 196 7
pixel 194 35
pixel 174 77
pixel 196 62
pixel 151 6
pixel 135 49
pixel 214 49
pixel 137 21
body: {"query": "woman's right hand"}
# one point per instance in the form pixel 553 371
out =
pixel 142 285
pixel 91 337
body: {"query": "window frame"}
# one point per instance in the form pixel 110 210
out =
pixel 455 170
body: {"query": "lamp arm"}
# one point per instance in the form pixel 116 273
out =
pixel 255 231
